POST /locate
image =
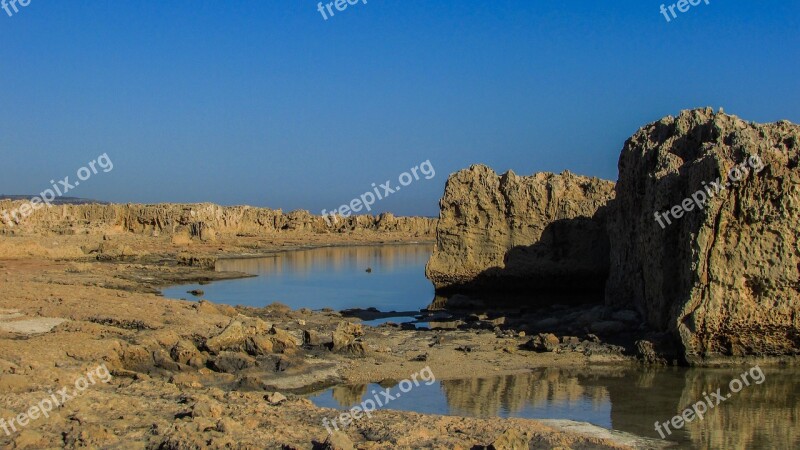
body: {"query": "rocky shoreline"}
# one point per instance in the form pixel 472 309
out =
pixel 200 375
pixel 557 271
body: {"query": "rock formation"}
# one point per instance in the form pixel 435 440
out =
pixel 722 275
pixel 507 232
pixel 203 221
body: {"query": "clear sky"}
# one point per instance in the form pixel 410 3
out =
pixel 266 103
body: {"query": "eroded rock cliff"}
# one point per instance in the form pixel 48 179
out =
pixel 723 277
pixel 203 221
pixel 508 232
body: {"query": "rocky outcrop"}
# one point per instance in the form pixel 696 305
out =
pixel 544 232
pixel 723 275
pixel 204 222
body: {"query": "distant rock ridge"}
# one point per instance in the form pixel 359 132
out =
pixel 203 221
pixel 509 232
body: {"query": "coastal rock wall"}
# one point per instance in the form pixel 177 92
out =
pixel 724 277
pixel 204 221
pixel 514 233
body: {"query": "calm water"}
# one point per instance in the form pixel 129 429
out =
pixel 333 277
pixel 760 416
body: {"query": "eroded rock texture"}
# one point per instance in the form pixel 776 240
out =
pixel 203 221
pixel 724 278
pixel 507 232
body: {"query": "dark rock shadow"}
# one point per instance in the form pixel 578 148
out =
pixel 568 265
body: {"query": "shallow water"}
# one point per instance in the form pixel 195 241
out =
pixel 332 277
pixel 760 416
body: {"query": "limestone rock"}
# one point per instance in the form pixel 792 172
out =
pixel 205 222
pixel 275 398
pixel 544 342
pixel 513 233
pixel 233 362
pixel 313 338
pixel 724 277
pixel 232 337
pixel 185 352
pixel 511 439
pixel 338 441
pixel 345 335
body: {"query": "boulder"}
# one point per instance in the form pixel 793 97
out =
pixel 543 232
pixel 703 234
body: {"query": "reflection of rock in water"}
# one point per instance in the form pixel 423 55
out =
pixel 385 258
pixel 759 416
pixel 347 396
pixel 491 396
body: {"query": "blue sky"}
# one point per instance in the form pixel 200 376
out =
pixel 266 103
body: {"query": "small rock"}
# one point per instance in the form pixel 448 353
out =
pixel 259 346
pixel 228 425
pixel 196 292
pixel 232 362
pixel 275 398
pixel 184 351
pixel 511 439
pixel 205 407
pixel 544 342
pixel 570 340
pixel 338 441
pixel 312 338
pixel 421 357
pixel 645 350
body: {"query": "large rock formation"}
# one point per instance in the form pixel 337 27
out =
pixel 202 221
pixel 513 233
pixel 723 275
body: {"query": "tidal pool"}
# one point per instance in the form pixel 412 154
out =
pixel 760 416
pixel 329 277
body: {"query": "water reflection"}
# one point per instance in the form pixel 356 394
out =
pixel 512 394
pixel 333 277
pixel 759 416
